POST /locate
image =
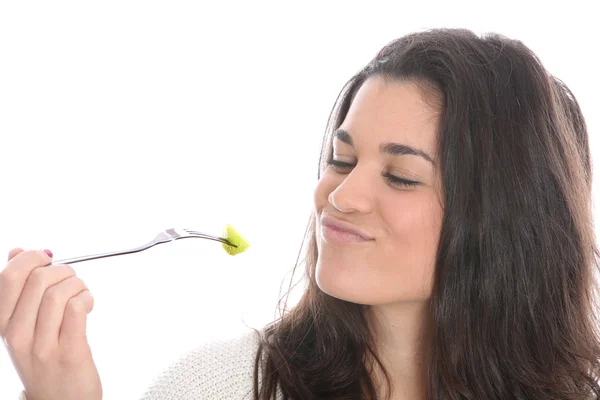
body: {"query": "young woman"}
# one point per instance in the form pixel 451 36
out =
pixel 450 254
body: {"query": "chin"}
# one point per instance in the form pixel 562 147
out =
pixel 356 283
pixel 344 285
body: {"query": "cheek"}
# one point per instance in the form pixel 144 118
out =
pixel 419 214
pixel 414 228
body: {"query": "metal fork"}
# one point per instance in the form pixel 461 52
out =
pixel 164 237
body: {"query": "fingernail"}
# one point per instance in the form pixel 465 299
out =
pixel 49 253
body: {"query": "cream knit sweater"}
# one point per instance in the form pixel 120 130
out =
pixel 221 370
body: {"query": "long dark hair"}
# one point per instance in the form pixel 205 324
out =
pixel 514 289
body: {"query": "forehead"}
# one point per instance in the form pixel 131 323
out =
pixel 387 110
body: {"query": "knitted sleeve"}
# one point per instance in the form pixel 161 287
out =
pixel 218 370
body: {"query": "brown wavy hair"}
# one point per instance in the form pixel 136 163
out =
pixel 514 284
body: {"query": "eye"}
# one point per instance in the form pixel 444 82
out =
pixel 336 164
pixel 344 167
pixel 395 181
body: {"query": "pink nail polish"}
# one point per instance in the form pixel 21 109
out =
pixel 49 253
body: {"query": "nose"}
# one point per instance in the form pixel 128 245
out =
pixel 354 194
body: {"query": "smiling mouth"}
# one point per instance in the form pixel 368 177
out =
pixel 335 234
pixel 344 229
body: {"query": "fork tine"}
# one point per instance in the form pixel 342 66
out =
pixel 191 232
pixel 204 235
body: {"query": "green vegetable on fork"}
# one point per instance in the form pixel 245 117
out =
pixel 233 237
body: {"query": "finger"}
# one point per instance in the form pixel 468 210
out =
pixel 51 312
pixel 21 326
pixel 13 279
pixel 14 252
pixel 73 338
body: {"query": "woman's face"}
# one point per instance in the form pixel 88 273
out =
pixel 393 260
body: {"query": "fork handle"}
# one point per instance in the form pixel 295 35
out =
pixel 104 255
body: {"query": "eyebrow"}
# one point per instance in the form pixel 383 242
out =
pixel 394 149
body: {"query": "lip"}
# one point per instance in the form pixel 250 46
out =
pixel 334 223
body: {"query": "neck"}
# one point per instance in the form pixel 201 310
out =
pixel 401 344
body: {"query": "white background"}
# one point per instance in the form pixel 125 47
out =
pixel 122 118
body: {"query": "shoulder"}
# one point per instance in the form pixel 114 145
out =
pixel 222 369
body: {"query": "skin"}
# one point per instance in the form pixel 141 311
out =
pixel 393 272
pixel 43 315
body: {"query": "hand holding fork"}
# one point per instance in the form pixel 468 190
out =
pixel 43 319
